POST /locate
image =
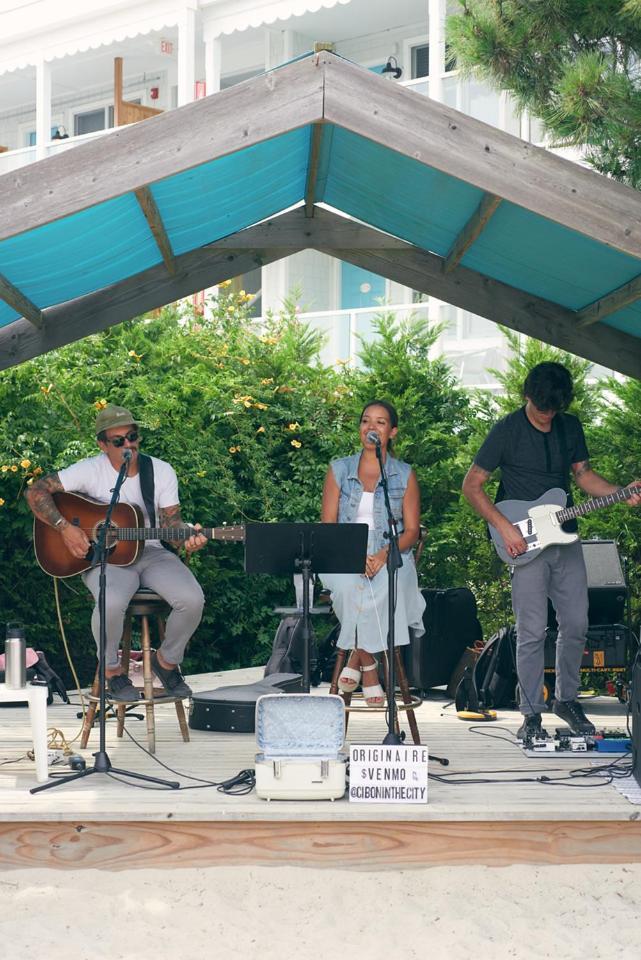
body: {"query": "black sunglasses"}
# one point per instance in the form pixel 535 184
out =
pixel 132 436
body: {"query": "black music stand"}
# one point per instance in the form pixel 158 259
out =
pixel 283 549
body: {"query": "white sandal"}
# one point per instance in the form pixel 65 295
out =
pixel 374 695
pixel 349 678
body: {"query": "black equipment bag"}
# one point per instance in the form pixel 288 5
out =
pixel 495 674
pixel 451 624
pixel 287 649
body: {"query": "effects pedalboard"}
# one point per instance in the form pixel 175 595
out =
pixel 604 741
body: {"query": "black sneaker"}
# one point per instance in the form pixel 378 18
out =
pixel 572 712
pixel 531 728
pixel 122 689
pixel 172 680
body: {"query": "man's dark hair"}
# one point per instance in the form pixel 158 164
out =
pixel 549 386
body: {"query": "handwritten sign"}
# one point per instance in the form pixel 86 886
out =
pixel 388 774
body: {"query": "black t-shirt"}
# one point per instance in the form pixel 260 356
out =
pixel 532 461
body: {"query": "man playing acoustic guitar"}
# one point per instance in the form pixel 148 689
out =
pixel 155 567
pixel 535 448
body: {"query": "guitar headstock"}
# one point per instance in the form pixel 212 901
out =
pixel 231 533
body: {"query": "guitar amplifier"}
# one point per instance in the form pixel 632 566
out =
pixel 606 647
pixel 607 591
pixel 635 710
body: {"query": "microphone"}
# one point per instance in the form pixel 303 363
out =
pixel 373 437
pixel 126 455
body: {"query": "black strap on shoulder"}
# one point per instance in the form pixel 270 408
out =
pixel 565 456
pixel 147 485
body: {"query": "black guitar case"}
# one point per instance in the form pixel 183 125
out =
pixel 233 709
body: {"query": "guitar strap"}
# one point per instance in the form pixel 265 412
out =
pixel 147 485
pixel 565 456
pixel 148 490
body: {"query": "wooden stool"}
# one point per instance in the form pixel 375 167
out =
pixel 409 703
pixel 147 605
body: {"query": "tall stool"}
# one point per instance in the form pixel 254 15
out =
pixel 148 606
pixel 408 705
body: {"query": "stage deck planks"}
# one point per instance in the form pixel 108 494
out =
pixel 100 822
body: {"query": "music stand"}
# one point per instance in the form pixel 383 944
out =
pixel 283 549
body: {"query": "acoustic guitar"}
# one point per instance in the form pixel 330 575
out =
pixel 126 532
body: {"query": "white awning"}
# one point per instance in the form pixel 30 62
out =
pixel 24 46
pixel 232 16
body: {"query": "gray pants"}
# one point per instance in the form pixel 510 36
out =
pixel 162 572
pixel 558 573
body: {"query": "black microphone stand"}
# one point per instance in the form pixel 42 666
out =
pixel 102 762
pixel 393 562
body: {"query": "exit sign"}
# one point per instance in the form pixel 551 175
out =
pixel 167 46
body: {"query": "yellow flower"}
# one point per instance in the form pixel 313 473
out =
pixel 241 293
pixel 14 469
pixel 246 403
pixel 201 473
pixel 224 283
pixel 296 443
pixel 1 502
pixel 284 389
pixel 29 481
pixel 260 430
pixel 341 363
pixel 5 468
pixel 25 464
pixel 245 362
pixel 234 449
pixel 137 356
pixel 245 399
pixel 294 426
pixel 47 389
pixel 37 471
pixel 261 406
pixel 267 380
pixel 100 404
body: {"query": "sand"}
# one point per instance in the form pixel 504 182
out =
pixel 454 913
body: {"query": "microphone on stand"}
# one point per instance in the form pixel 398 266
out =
pixel 373 437
pixel 126 455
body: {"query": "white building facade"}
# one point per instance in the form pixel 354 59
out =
pixel 57 90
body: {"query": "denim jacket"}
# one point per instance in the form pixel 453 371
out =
pixel 351 489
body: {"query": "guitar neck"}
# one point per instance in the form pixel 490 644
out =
pixel 608 500
pixel 179 534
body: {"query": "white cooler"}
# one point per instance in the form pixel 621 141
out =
pixel 299 737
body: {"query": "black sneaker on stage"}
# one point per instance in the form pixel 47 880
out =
pixel 572 712
pixel 172 680
pixel 121 688
pixel 531 728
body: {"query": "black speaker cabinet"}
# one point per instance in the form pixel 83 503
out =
pixel 606 585
pixel 607 591
pixel 635 709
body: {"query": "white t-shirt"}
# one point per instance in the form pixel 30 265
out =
pixel 95 477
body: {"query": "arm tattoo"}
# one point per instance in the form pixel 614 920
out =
pixel 170 517
pixel 581 468
pixel 39 497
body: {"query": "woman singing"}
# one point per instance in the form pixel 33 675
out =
pixel 352 494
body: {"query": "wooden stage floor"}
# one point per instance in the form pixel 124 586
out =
pixel 509 818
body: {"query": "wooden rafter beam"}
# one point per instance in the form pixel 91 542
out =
pixel 312 168
pixel 324 229
pixel 471 231
pixel 153 288
pixel 21 304
pixel 152 215
pixel 500 303
pixel 615 300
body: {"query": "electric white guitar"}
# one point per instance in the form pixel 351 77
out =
pixel 540 521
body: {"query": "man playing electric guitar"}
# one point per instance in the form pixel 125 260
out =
pixel 155 567
pixel 535 449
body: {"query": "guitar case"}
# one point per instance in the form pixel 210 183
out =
pixel 233 709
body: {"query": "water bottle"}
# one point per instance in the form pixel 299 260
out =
pixel 15 657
